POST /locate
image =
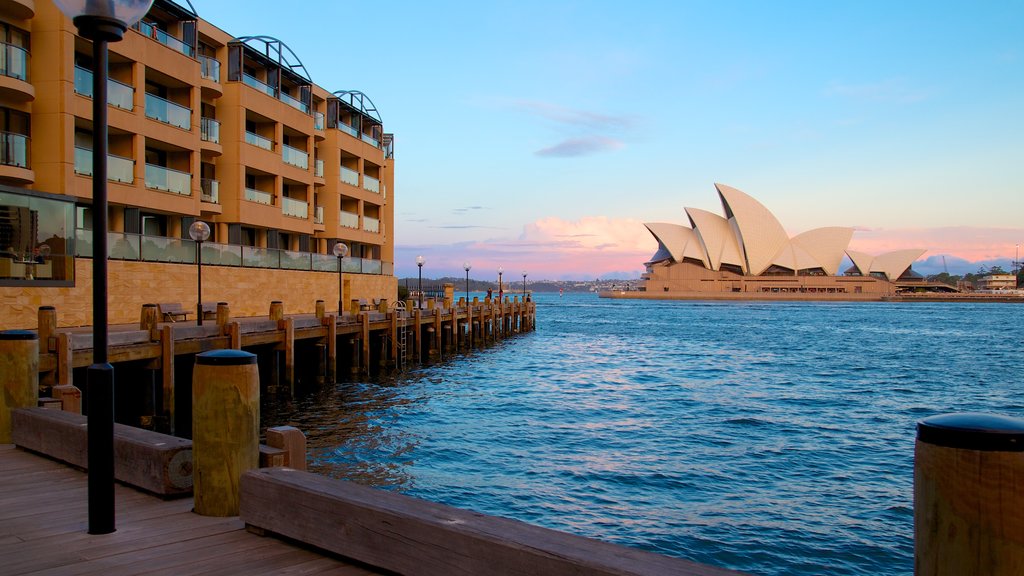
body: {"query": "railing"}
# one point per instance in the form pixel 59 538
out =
pixel 349 176
pixel 168 180
pixel 164 38
pixel 370 140
pixel 14 149
pixel 295 157
pixel 371 224
pixel 349 219
pixel 293 102
pixel 168 112
pixel 259 196
pixel 209 68
pixel 318 121
pixel 348 129
pixel 119 169
pixel 318 168
pixel 318 215
pixel 118 94
pixel 14 61
pixel 257 84
pixel 209 130
pixel 294 208
pixel 372 184
pixel 257 140
pixel 210 190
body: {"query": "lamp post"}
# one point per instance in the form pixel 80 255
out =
pixel 419 262
pixel 200 232
pixel 466 266
pixel 101 22
pixel 340 250
pixel 524 285
pixel 500 270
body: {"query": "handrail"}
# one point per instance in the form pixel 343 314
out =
pixel 14 149
pixel 209 68
pixel 119 94
pixel 259 141
pixel 14 61
pixel 168 112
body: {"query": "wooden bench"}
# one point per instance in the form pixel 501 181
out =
pixel 411 536
pixel 172 312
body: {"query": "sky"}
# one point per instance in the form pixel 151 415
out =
pixel 540 136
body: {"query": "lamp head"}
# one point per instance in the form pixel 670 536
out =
pixel 199 231
pixel 340 250
pixel 420 260
pixel 500 269
pixel 104 19
pixel 466 266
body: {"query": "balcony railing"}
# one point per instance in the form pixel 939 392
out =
pixel 295 157
pixel 349 219
pixel 318 121
pixel 349 176
pixel 14 61
pixel 318 168
pixel 371 224
pixel 168 112
pixel 348 129
pixel 259 196
pixel 294 208
pixel 257 140
pixel 164 38
pixel 14 149
pixel 209 130
pixel 370 140
pixel 293 102
pixel 257 84
pixel 372 184
pixel 118 94
pixel 209 68
pixel 318 215
pixel 168 180
pixel 210 190
pixel 119 169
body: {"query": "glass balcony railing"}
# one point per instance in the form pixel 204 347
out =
pixel 371 224
pixel 318 215
pixel 348 129
pixel 372 184
pixel 250 81
pixel 293 102
pixel 318 168
pixel 349 176
pixel 210 190
pixel 295 157
pixel 349 219
pixel 259 196
pixel 209 130
pixel 168 112
pixel 370 140
pixel 14 61
pixel 118 94
pixel 148 29
pixel 254 257
pixel 318 121
pixel 168 180
pixel 119 168
pixel 260 141
pixel 14 149
pixel 294 208
pixel 209 68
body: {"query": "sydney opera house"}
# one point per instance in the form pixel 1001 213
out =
pixel 746 253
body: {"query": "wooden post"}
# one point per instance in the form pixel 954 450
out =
pixel 393 334
pixel 449 295
pixel 276 311
pixel 320 309
pixel 225 428
pixel 418 334
pixel 70 398
pixel 19 375
pixel 234 330
pixel 223 314
pixel 382 306
pixel 148 320
pixel 167 376
pixel 332 349
pixel 968 495
pixel 292 441
pixel 410 304
pixel 469 326
pixel 436 345
pixel 354 307
pixel 65 359
pixel 47 331
pixel 289 354
pixel 364 319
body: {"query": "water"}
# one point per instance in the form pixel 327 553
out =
pixel 774 438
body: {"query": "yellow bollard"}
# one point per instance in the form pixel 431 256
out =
pixel 19 375
pixel 225 428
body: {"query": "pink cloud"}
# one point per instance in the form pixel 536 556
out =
pixel 970 243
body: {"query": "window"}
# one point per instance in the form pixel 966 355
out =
pixel 36 239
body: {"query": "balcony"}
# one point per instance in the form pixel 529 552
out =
pixel 349 219
pixel 164 38
pixel 209 68
pixel 295 157
pixel 370 140
pixel 210 190
pixel 318 168
pixel 168 112
pixel 348 129
pixel 318 215
pixel 14 61
pixel 318 121
pixel 372 184
pixel 293 102
pixel 349 176
pixel 119 169
pixel 209 130
pixel 250 81
pixel 168 180
pixel 371 224
pixel 259 141
pixel 118 94
pixel 294 208
pixel 259 196
pixel 14 150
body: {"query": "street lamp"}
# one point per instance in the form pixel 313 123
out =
pixel 340 250
pixel 466 266
pixel 419 262
pixel 101 22
pixel 524 285
pixel 500 270
pixel 200 232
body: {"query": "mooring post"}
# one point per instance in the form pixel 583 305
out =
pixel 19 373
pixel 289 353
pixel 321 308
pixel 364 320
pixel 167 376
pixel 47 331
pixel 65 359
pixel 968 495
pixel 382 306
pixel 393 335
pixel 437 331
pixel 332 349
pixel 223 315
pixel 225 428
pixel 148 320
pixel 234 330
pixel 276 310
pixel 418 334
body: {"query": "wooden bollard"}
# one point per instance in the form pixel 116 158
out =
pixel 223 314
pixel 321 309
pixel 47 329
pixel 276 310
pixel 382 306
pixel 19 376
pixel 410 304
pixel 225 428
pixel 149 318
pixel 430 303
pixel 354 306
pixel 292 441
pixel 969 495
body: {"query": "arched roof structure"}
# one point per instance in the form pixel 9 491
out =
pixel 717 239
pixel 675 240
pixel 825 246
pixel 277 52
pixel 760 234
pixel 359 102
pixel 895 264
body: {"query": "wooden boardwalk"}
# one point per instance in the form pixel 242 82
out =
pixel 43 522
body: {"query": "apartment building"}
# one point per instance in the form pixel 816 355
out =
pixel 203 125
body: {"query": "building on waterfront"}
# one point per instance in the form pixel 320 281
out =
pixel 203 125
pixel 998 282
pixel 746 252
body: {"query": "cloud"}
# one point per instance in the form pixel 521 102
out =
pixel 972 244
pixel 569 116
pixel 467 227
pixel 583 132
pixel 892 90
pixel 580 147
pixel 466 209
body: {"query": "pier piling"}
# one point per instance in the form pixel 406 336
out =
pixel 19 373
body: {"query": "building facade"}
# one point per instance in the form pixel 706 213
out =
pixel 205 126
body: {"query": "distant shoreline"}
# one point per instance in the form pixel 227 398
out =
pixel 808 297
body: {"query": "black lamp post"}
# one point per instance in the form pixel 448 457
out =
pixel 102 22
pixel 524 285
pixel 340 250
pixel 500 271
pixel 419 262
pixel 200 232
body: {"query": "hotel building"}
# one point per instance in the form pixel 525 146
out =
pixel 203 125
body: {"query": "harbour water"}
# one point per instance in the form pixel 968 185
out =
pixel 774 438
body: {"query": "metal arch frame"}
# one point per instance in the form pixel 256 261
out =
pixel 354 95
pixel 285 55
